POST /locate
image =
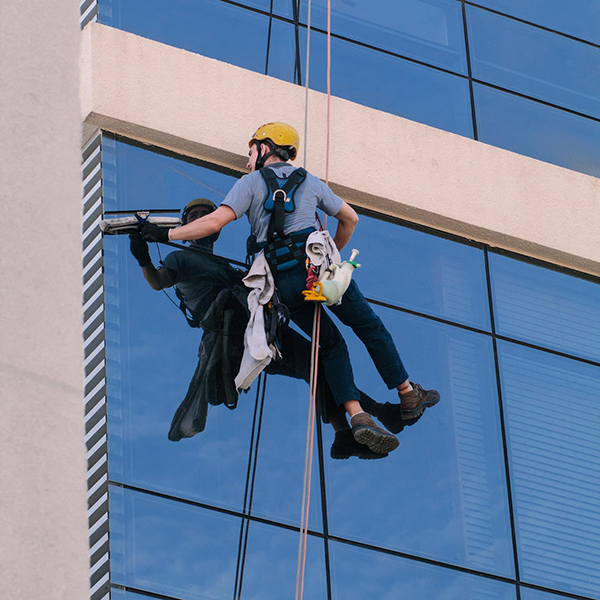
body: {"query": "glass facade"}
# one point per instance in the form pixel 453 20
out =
pixel 492 494
pixel 519 75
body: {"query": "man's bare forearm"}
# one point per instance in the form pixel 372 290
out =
pixel 343 234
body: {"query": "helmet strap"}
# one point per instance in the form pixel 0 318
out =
pixel 260 159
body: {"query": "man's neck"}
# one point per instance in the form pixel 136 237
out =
pixel 275 160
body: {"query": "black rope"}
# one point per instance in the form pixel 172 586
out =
pixel 249 493
pixel 230 261
pixel 297 58
pixel 163 290
pixel 246 488
pixel 321 455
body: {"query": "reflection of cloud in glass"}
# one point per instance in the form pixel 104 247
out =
pixel 452 273
pixel 271 564
pixel 172 548
pixel 442 493
pixel 359 573
pixel 280 468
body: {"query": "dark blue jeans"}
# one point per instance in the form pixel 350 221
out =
pixel 355 312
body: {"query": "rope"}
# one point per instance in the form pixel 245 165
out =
pixel 316 326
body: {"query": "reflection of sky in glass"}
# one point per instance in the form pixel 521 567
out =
pixel 536 130
pixel 529 594
pixel 430 30
pixel 390 84
pixel 580 18
pixel 545 307
pixel 554 453
pixel 280 467
pixel 535 62
pixel 271 563
pixel 171 548
pixel 359 573
pixel 442 493
pixel 208 27
pixel 412 269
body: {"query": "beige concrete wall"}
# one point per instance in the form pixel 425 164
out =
pixel 208 109
pixel 43 513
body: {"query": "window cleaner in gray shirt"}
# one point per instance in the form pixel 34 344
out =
pixel 272 146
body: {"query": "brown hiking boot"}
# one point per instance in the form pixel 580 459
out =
pixel 366 432
pixel 414 403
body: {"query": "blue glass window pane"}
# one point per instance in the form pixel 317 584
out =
pixel 529 594
pixel 135 178
pixel 172 548
pixel 283 8
pixel 359 573
pixel 579 18
pixel 209 27
pixel 431 31
pixel 442 493
pixel 282 51
pixel 422 272
pixel 552 419
pixel 536 130
pixel 534 62
pixel 271 564
pixel 281 451
pixel 389 83
pixel 546 308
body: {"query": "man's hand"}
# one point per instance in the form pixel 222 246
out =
pixel 153 233
pixel 139 249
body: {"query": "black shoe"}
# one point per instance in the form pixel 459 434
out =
pixel 376 438
pixel 414 403
pixel 390 416
pixel 344 446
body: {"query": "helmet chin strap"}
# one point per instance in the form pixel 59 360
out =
pixel 260 159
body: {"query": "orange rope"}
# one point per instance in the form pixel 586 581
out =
pixel 315 343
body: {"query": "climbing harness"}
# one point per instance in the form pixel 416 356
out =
pixel 283 252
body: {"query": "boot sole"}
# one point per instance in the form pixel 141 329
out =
pixel 378 442
pixel 418 411
pixel 361 456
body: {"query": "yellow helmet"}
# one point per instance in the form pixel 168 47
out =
pixel 280 134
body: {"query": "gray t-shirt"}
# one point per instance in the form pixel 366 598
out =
pixel 248 194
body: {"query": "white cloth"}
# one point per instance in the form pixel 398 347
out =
pixel 322 251
pixel 257 353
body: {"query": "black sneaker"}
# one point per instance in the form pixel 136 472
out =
pixel 390 416
pixel 414 403
pixel 344 446
pixel 366 432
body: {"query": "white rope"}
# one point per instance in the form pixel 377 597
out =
pixel 310 419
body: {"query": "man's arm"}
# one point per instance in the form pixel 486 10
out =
pixel 204 226
pixel 156 278
pixel 347 220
